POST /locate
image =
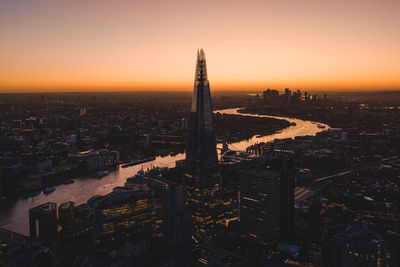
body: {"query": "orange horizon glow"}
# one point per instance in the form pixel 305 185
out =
pixel 98 45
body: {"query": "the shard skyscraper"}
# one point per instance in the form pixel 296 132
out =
pixel 201 166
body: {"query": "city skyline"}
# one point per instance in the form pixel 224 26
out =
pixel 135 179
pixel 283 148
pixel 99 46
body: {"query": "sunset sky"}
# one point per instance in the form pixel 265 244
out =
pixel 86 45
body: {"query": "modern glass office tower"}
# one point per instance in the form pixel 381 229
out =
pixel 259 206
pixel 201 166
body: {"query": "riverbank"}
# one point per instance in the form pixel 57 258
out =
pixel 14 212
pixel 229 128
pixel 303 113
pixel 298 128
pixel 233 128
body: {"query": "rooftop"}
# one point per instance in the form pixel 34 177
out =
pixel 67 205
pixel 45 208
pixel 260 173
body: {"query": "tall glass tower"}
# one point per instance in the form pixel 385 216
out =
pixel 201 166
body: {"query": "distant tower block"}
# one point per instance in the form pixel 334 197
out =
pixel 65 212
pixel 44 219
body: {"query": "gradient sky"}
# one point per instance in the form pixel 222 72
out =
pixel 151 44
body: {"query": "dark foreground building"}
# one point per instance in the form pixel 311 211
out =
pixel 19 250
pixel 259 206
pixel 287 185
pixel 44 219
pixel 201 166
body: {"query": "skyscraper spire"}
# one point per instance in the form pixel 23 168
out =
pixel 201 143
pixel 201 165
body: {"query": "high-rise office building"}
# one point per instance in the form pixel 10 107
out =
pixel 288 95
pixel 174 227
pixel 271 97
pixel 259 206
pixel 201 165
pixel 285 164
pixel 43 221
pixel 131 215
pixel 231 164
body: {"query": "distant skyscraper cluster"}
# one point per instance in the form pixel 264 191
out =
pixel 272 97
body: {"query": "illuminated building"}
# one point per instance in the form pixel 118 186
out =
pixel 44 219
pixel 167 200
pixel 123 216
pixel 208 254
pixel 201 165
pixel 259 206
pixel 231 163
pixel 358 246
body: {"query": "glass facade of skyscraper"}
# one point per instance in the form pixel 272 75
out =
pixel 201 166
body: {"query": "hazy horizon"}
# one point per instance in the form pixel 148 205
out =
pixel 189 91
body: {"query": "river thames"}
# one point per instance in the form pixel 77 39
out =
pixel 14 212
